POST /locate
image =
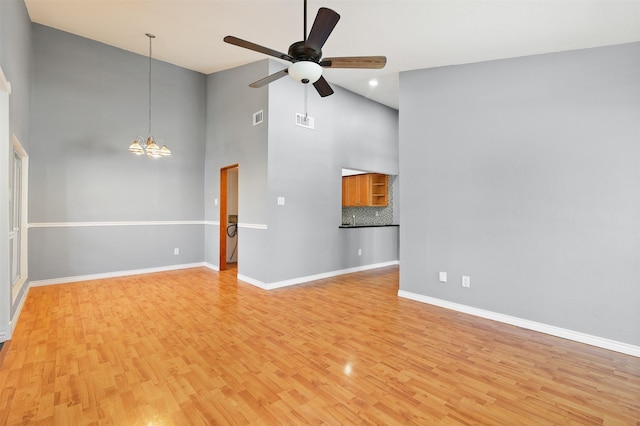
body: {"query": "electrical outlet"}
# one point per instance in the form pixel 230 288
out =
pixel 443 277
pixel 176 251
pixel 377 213
pixel 359 252
pixel 466 281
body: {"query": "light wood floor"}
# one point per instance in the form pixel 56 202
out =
pixel 200 347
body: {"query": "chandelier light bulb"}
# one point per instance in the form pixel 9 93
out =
pixel 152 148
pixel 136 148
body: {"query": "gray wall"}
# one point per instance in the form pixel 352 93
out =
pixel 524 174
pixel 305 167
pixel 89 101
pixel 231 138
pixel 15 59
pixel 280 159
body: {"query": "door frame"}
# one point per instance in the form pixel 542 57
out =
pixel 224 215
pixel 6 323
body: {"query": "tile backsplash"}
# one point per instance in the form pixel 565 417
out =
pixel 367 215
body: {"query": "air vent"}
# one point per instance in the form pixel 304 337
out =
pixel 304 121
pixel 258 117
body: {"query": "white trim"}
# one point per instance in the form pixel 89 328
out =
pixel 252 225
pixel 300 280
pixel 253 282
pixel 123 223
pixel 65 280
pixel 16 315
pixel 24 216
pixel 5 86
pixel 211 266
pixel 576 336
pixel 139 223
pixel 5 279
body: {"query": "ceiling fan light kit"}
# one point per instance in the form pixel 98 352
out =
pixel 305 72
pixel 306 55
pixel 150 147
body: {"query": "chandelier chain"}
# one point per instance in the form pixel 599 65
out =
pixel 150 38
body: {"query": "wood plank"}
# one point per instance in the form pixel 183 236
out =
pixel 197 346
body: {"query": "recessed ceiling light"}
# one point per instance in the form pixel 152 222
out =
pixel 373 82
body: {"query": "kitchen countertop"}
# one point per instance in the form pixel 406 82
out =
pixel 367 226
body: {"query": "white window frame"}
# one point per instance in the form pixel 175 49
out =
pixel 18 206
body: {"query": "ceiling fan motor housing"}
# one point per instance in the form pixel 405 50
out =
pixel 302 52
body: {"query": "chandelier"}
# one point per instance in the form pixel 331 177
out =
pixel 150 147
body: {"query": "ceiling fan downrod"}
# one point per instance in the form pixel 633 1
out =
pixel 304 30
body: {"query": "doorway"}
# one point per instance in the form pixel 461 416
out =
pixel 229 216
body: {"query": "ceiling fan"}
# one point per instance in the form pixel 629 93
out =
pixel 306 55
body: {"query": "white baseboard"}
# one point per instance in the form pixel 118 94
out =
pixel 211 266
pixel 252 281
pixel 16 315
pixel 65 280
pixel 300 280
pixel 7 332
pixel 576 336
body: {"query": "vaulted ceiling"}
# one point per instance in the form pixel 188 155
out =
pixel 413 34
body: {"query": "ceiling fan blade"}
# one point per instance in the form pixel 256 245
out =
pixel 325 22
pixel 257 48
pixel 323 88
pixel 369 62
pixel 269 79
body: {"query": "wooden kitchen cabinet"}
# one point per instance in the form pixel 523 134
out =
pixel 365 190
pixel 379 190
pixel 356 190
pixel 345 190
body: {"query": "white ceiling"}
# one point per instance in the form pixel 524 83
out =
pixel 413 34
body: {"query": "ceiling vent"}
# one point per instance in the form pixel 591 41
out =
pixel 258 117
pixel 305 121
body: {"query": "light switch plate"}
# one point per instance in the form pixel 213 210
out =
pixel 443 277
pixel 281 201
